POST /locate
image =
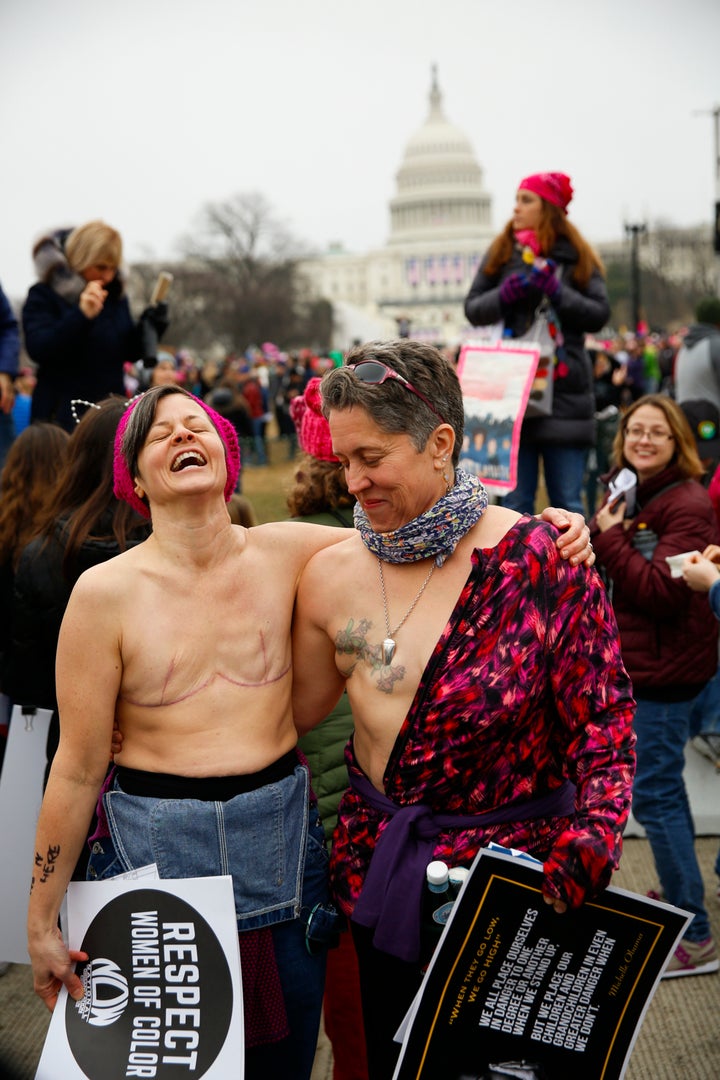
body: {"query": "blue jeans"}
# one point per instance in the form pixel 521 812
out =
pixel 705 713
pixel 660 804
pixel 258 838
pixel 564 469
pixel 302 976
pixel 258 426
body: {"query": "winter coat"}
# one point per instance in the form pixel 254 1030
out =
pixel 324 746
pixel 77 357
pixel 579 311
pixel 697 367
pixel 41 594
pixel 668 635
pixel 714 492
pixel 9 337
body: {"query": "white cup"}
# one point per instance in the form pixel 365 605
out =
pixel 676 562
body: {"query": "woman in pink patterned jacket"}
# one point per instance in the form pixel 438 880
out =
pixel 483 670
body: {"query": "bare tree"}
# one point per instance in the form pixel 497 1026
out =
pixel 244 232
pixel 250 258
pixel 238 283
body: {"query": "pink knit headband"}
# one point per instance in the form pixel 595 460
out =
pixel 124 483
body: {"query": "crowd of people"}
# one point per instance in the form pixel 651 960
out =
pixel 338 703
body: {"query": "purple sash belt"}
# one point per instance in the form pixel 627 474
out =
pixel 391 898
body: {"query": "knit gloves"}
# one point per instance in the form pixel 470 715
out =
pixel 514 288
pixel 544 278
pixel 157 316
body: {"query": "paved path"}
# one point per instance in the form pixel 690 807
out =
pixel 679 1039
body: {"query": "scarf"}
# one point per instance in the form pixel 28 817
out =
pixel 436 533
pixel 527 238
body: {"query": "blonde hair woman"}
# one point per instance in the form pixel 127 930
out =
pixel 77 322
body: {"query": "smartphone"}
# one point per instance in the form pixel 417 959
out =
pixel 162 287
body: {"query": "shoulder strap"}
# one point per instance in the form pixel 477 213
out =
pixel 668 487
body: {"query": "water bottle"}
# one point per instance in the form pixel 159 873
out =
pixel 456 877
pixel 437 879
pixel 437 904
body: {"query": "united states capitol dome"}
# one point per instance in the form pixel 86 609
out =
pixel 439 183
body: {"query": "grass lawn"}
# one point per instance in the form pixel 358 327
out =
pixel 267 486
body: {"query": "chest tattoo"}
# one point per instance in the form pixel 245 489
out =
pixel 353 641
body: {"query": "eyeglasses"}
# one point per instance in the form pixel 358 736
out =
pixel 376 373
pixel 656 436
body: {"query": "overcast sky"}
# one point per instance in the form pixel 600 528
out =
pixel 140 112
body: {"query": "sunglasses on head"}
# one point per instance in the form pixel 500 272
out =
pixel 375 373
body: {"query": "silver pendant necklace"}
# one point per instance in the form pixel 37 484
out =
pixel 388 645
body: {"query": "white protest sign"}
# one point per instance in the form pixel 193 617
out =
pixel 21 792
pixel 163 990
pixel 496 382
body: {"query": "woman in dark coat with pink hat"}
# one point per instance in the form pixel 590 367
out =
pixel 540 254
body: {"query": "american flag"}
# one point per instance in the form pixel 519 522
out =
pixel 412 271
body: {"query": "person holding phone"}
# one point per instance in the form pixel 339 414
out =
pixel 77 322
pixel 668 637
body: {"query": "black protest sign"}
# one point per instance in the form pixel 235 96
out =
pixel 513 981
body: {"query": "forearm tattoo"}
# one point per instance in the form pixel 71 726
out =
pixel 353 641
pixel 45 865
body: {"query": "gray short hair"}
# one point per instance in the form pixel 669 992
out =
pixel 391 406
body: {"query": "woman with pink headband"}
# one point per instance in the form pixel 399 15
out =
pixel 541 255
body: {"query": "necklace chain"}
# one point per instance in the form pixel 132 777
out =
pixel 388 644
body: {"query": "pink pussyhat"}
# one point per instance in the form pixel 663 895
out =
pixel 124 483
pixel 554 187
pixel 312 427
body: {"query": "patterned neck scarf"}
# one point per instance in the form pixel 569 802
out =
pixel 436 533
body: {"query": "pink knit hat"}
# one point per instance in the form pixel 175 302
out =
pixel 554 187
pixel 312 427
pixel 123 482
